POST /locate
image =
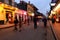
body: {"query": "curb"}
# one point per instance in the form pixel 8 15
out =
pixel 7 27
pixel 53 32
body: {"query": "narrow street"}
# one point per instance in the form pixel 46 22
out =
pixel 27 33
pixel 27 13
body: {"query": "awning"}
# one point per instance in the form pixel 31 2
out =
pixel 21 12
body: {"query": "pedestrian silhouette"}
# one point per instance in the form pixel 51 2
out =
pixel 15 22
pixel 28 20
pixel 20 23
pixel 35 22
pixel 53 20
pixel 7 14
pixel 45 21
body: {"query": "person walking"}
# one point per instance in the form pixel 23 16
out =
pixel 15 22
pixel 35 22
pixel 20 23
pixel 45 21
pixel 53 20
pixel 7 19
pixel 28 20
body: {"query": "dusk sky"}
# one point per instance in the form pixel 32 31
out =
pixel 42 5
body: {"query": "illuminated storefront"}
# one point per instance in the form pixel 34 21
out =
pixel 6 13
pixel 30 15
pixel 9 12
pixel 2 13
pixel 22 13
pixel 56 12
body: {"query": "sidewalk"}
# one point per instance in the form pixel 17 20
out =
pixel 6 26
pixel 56 30
pixel 56 27
pixel 50 35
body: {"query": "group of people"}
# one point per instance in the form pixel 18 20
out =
pixel 19 22
pixel 44 19
pixel 16 21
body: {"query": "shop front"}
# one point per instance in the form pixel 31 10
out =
pixel 6 13
pixel 2 13
pixel 30 15
pixel 56 13
pixel 23 14
pixel 9 13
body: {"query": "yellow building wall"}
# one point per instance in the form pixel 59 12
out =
pixel 2 13
pixel 13 13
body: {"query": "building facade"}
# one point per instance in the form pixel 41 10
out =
pixel 22 5
pixel 55 10
pixel 10 2
pixel 31 10
pixel 7 11
pixel 2 1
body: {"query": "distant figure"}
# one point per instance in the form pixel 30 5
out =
pixel 28 20
pixel 7 14
pixel 53 20
pixel 35 22
pixel 45 21
pixel 15 22
pixel 20 23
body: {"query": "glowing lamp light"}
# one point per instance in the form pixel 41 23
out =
pixel 32 14
pixel 53 4
pixel 58 6
pixel 24 13
pixel 52 12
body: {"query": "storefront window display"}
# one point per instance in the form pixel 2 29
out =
pixel 9 16
pixel 6 13
pixel 23 14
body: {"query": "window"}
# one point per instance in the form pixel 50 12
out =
pixel 10 2
pixel 1 0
